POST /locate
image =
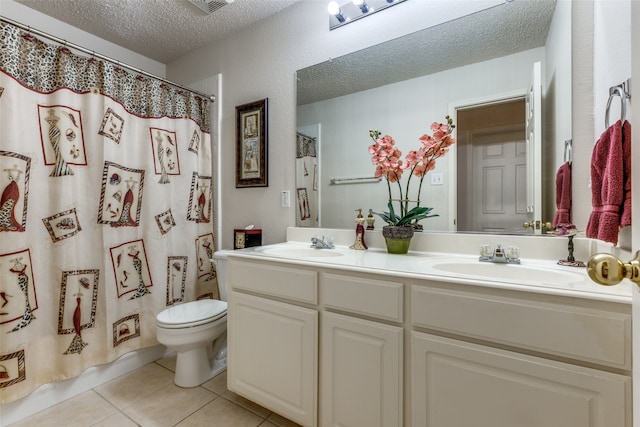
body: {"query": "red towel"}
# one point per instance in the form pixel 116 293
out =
pixel 625 217
pixel 607 185
pixel 563 195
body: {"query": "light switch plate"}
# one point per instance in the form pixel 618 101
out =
pixel 285 198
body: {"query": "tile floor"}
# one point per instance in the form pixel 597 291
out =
pixel 148 397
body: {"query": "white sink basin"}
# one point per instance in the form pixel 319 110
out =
pixel 515 273
pixel 301 252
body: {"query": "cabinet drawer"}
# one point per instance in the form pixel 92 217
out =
pixel 588 334
pixel 359 295
pixel 274 280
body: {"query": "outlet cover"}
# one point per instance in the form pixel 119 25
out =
pixel 437 178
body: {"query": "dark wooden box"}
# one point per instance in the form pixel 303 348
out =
pixel 246 238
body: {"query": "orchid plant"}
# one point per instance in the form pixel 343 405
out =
pixel 389 164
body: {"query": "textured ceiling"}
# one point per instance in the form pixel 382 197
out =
pixel 501 30
pixel 163 30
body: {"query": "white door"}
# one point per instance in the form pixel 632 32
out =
pixel 534 147
pixel 498 181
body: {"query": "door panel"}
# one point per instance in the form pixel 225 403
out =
pixel 498 188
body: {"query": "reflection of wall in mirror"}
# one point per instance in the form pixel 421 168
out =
pixel 557 103
pixel 420 102
pixel 307 140
pixel 557 87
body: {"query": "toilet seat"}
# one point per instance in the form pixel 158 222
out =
pixel 191 314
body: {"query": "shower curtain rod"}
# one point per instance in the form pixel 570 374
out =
pixel 65 43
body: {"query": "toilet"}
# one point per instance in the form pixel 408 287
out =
pixel 197 332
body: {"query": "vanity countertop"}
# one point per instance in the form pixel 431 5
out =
pixel 532 275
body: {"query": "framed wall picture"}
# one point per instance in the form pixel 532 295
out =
pixel 251 144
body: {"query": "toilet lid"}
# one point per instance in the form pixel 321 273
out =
pixel 192 313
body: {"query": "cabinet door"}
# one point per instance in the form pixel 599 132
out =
pixel 273 355
pixel 361 368
pixel 460 384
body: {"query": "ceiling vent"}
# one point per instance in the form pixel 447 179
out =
pixel 211 5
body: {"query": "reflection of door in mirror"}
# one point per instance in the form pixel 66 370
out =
pixel 491 168
pixel 307 196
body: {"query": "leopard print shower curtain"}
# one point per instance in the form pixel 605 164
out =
pixel 105 210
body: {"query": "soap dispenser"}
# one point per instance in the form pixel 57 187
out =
pixel 359 244
pixel 370 220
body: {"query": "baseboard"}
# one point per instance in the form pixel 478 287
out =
pixel 53 393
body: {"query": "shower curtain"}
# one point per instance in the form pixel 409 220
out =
pixel 105 210
pixel 306 181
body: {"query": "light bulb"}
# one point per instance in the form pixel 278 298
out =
pixel 333 8
pixel 358 2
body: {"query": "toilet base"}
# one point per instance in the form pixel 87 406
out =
pixel 193 367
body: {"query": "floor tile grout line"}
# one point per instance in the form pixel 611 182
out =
pixel 109 403
pixel 165 367
pixel 216 396
pixel 138 397
pixel 245 408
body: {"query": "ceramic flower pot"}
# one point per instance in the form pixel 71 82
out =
pixel 397 238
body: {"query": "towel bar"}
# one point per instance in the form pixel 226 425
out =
pixel 358 180
pixel 623 90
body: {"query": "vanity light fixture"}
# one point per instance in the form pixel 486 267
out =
pixel 340 15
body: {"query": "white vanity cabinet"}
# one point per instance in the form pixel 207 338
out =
pixel 361 359
pixel 327 345
pixel 273 343
pixel 497 358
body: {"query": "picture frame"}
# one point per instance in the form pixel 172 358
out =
pixel 251 144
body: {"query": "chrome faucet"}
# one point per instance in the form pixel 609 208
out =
pixel 499 255
pixel 322 243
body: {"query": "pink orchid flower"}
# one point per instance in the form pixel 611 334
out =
pixel 389 164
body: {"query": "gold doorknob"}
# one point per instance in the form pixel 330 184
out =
pixel 607 270
pixel 537 224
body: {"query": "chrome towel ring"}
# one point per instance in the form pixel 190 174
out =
pixel 623 90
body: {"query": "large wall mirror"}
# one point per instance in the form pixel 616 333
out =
pixel 479 69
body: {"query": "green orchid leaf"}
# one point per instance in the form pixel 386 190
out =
pixel 392 214
pixel 413 216
pixel 416 214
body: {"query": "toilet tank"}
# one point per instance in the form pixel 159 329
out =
pixel 220 259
